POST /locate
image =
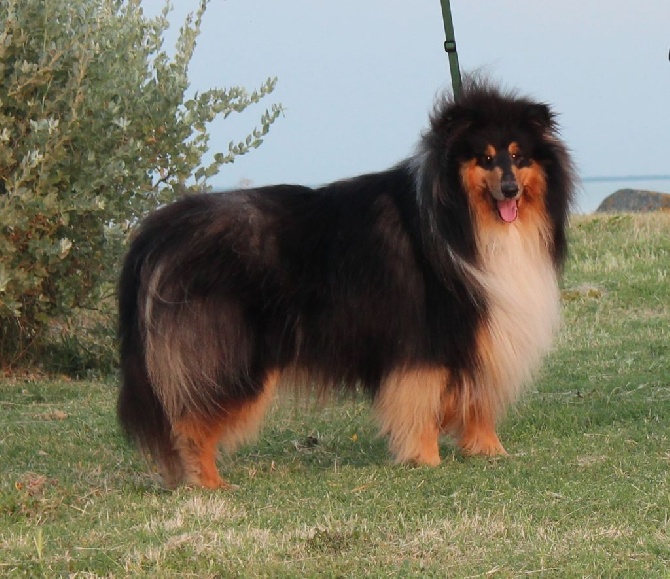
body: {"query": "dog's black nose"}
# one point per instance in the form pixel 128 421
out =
pixel 509 188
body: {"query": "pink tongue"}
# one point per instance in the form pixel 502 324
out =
pixel 508 210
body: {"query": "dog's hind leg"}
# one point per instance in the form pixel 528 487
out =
pixel 198 438
pixel 242 422
pixel 408 406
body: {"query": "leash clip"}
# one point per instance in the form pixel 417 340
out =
pixel 450 46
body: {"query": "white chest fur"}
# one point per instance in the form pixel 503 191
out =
pixel 523 309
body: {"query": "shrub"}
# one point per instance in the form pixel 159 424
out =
pixel 96 128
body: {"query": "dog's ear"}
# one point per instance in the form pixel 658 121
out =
pixel 540 115
pixel 455 117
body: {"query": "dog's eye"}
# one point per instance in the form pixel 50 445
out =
pixel 486 160
pixel 517 158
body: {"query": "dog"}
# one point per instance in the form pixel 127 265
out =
pixel 432 287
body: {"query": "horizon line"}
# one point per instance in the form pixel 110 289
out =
pixel 614 178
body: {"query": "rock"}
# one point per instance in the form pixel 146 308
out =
pixel 636 200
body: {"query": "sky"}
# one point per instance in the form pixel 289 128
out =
pixel 358 78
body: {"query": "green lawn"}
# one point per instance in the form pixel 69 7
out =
pixel 584 492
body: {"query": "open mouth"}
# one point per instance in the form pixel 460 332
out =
pixel 508 209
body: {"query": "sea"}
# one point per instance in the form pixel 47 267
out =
pixel 593 190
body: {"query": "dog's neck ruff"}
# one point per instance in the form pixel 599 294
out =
pixel 519 284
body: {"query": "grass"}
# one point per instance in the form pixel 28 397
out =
pixel 585 492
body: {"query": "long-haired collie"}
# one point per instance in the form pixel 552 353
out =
pixel 432 287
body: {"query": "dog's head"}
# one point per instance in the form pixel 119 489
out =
pixel 499 175
pixel 497 143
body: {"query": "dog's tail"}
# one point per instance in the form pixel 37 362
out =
pixel 140 411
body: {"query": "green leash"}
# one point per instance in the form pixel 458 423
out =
pixel 450 48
